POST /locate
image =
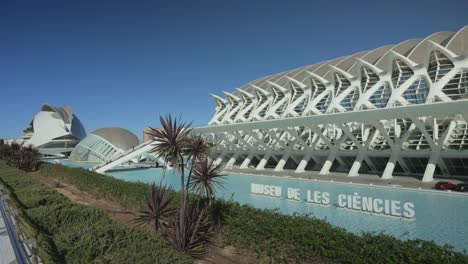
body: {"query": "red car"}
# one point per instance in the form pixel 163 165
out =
pixel 445 186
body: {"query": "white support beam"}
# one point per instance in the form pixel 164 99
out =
pixel 303 163
pixel 232 160
pixel 282 162
pixel 246 162
pixel 388 172
pixel 431 166
pixel 354 171
pixel 263 162
pixel 220 158
pixel 328 163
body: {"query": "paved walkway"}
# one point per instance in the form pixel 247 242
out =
pixel 400 181
pixel 7 255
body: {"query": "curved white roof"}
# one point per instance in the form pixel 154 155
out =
pixel 119 137
pixel 53 123
pixel 102 144
pixel 413 48
pixel 392 75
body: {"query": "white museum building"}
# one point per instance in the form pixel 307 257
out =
pixel 397 110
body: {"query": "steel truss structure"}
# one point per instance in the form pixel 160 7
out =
pixel 399 109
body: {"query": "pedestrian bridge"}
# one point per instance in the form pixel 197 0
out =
pixel 126 156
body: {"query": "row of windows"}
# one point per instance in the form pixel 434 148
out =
pixel 416 93
pixel 93 149
pixel 457 139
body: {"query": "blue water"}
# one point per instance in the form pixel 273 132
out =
pixel 440 217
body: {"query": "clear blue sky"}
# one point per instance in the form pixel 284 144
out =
pixel 123 63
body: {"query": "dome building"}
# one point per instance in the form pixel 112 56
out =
pixel 54 131
pixel 103 144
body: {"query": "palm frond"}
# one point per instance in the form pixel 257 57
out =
pixel 197 147
pixel 159 208
pixel 170 139
pixel 192 233
pixel 206 178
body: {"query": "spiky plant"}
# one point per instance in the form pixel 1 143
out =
pixel 191 234
pixel 197 148
pixel 169 143
pixel 159 208
pixel 206 178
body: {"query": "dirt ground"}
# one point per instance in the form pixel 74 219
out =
pixel 226 255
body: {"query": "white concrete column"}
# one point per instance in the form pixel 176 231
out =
pixel 232 160
pixel 328 164
pixel 303 163
pixel 263 162
pixel 354 171
pixel 220 158
pixel 282 162
pixel 431 166
pixel 246 162
pixel 388 172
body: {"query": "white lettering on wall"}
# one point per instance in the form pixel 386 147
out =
pixel 350 201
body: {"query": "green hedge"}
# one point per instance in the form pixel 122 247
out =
pixel 305 239
pixel 283 238
pixel 100 186
pixel 72 233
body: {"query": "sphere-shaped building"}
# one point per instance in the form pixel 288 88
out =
pixel 103 144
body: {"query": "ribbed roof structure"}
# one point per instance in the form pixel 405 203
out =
pixel 344 84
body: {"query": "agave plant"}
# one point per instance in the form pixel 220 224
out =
pixel 159 207
pixel 206 178
pixel 191 234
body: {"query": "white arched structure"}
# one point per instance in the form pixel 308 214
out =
pixel 54 130
pixel 103 144
pixel 399 109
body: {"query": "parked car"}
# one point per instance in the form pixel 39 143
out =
pixel 445 186
pixel 462 187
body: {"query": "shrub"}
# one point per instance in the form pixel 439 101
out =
pixel 284 238
pixel 19 156
pixel 72 233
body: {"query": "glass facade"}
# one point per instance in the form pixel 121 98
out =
pixel 380 98
pixel 400 73
pixel 457 87
pixel 439 66
pixel 368 79
pixel 417 92
pixel 341 83
pixel 93 149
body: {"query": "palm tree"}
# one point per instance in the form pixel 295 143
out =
pixel 169 143
pixel 159 207
pixel 190 230
pixel 197 148
pixel 206 178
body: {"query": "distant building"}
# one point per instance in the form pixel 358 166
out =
pixel 103 144
pixel 397 110
pixel 54 131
